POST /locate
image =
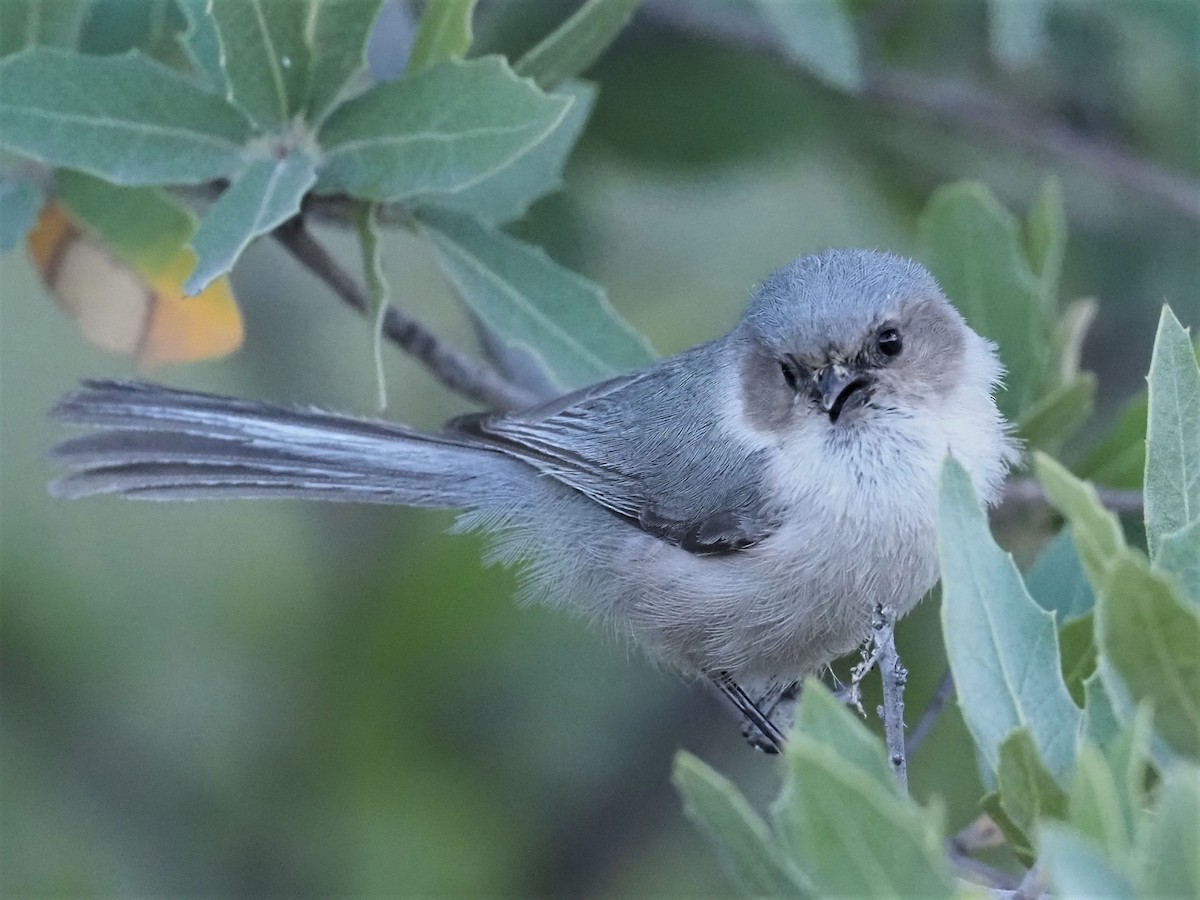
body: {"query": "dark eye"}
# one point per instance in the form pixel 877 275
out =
pixel 889 342
pixel 790 373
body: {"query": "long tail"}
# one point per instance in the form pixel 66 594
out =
pixel 153 442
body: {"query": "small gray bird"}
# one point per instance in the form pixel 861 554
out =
pixel 739 510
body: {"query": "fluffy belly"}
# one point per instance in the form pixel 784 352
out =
pixel 796 601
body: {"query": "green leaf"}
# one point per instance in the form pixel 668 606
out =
pixel 21 200
pixel 1128 757
pixel 444 33
pixel 819 35
pixel 1046 227
pixel 1120 459
pixel 378 295
pixel 508 193
pixel 1172 433
pixel 973 246
pixel 118 26
pixel 443 130
pixel 1002 646
pixel 1077 647
pixel 1070 334
pixel 1095 806
pixel 125 118
pixel 577 43
pixel 1017 31
pixel 1151 637
pixel 1028 792
pixel 142 225
pixel 203 44
pixel 1179 555
pixel 265 56
pixel 337 36
pixel 46 23
pixel 1169 865
pixel 1056 416
pixel 1097 532
pixel 1077 867
pixel 1056 580
pixel 744 844
pixel 532 302
pixel 1101 724
pixel 840 803
pixel 266 194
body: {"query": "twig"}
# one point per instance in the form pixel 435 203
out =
pixel 982 114
pixel 472 378
pixel 1028 491
pixel 943 692
pixel 894 677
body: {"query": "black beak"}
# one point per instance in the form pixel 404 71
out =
pixel 836 386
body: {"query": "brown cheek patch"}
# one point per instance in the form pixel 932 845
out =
pixel 766 398
pixel 936 357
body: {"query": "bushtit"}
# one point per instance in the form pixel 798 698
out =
pixel 740 510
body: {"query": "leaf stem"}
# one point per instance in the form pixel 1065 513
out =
pixel 472 378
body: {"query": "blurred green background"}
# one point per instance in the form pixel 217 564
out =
pixel 271 698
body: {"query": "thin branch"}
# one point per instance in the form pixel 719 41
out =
pixel 1027 491
pixel 894 676
pixel 470 377
pixel 970 108
pixel 982 114
pixel 941 694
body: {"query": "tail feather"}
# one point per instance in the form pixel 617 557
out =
pixel 154 442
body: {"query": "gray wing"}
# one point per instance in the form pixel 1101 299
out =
pixel 648 447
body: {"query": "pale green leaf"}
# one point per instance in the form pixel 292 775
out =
pixel 1078 653
pixel 1057 580
pixel 1097 532
pixel 45 23
pixel 577 43
pixel 839 803
pixel 1151 638
pixel 1002 646
pixel 336 35
pixel 1028 792
pixel 443 33
pixel 203 44
pixel 124 118
pixel 507 194
pixel 1100 725
pixel 1120 459
pixel 1046 226
pixel 1056 416
pixel 1017 31
pixel 265 56
pixel 819 35
pixel 1179 555
pixel 1095 805
pixel 744 844
pixel 141 225
pixel 20 201
pixel 1172 433
pixel 826 719
pixel 973 246
pixel 266 194
pixel 440 131
pixel 1077 868
pixel 1168 862
pixel 1071 331
pixel 531 302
